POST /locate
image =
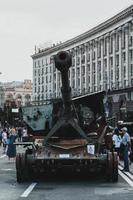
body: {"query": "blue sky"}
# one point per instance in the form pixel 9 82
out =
pixel 26 23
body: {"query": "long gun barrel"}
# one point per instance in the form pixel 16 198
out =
pixel 63 61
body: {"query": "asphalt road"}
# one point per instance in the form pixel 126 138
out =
pixel 65 187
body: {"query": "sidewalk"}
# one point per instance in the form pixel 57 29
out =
pixel 1 150
pixel 130 166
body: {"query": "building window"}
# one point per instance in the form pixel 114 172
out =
pixel 94 79
pixel 42 62
pixel 38 72
pixel 77 51
pixel 78 82
pixel 131 69
pixel 131 40
pixel 117 74
pixel 99 65
pixel 88 67
pixel 94 67
pixel 83 49
pixel 83 70
pixel 129 95
pixel 124 83
pixel 73 83
pixel 42 96
pixel 117 42
pixel 42 88
pixel 117 60
pixel 131 55
pixel 83 59
pixel 88 57
pixel 51 60
pixel 124 71
pixel 46 79
pixel 83 79
pixel 78 60
pixel 50 79
pixel 42 71
pixel 39 81
pixel 124 56
pixel 99 76
pixel 46 88
pixel 38 63
pixel 111 61
pixel 105 46
pixel 73 73
pixel 99 49
pixel 73 52
pixel 131 81
pixel 46 62
pixel 50 69
pixel 111 44
pixel 35 81
pixel 123 39
pixel 73 62
pixel 89 79
pixel 46 70
pixel 111 74
pixel 42 80
pixel 105 63
pixel 55 86
pixel 94 55
pixel 78 71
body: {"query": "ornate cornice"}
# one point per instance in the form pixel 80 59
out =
pixel 108 23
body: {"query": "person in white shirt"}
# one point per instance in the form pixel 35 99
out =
pixel 116 140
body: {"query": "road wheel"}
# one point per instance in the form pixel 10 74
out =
pixel 112 167
pixel 18 168
pixel 115 167
pixel 21 168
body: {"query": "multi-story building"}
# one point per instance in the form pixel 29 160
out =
pixel 20 94
pixel 102 59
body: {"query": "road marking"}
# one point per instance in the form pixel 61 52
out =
pixel 127 173
pixel 7 169
pixel 2 156
pixel 127 179
pixel 28 190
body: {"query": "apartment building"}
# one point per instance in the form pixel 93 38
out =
pixel 102 59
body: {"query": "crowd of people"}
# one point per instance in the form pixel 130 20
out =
pixel 7 138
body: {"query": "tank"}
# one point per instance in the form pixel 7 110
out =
pixel 68 134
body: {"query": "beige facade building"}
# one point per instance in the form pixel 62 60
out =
pixel 21 95
pixel 102 59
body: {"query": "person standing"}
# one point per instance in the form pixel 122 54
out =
pixel 126 146
pixel 4 140
pixel 19 134
pixel 116 140
pixel 11 149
